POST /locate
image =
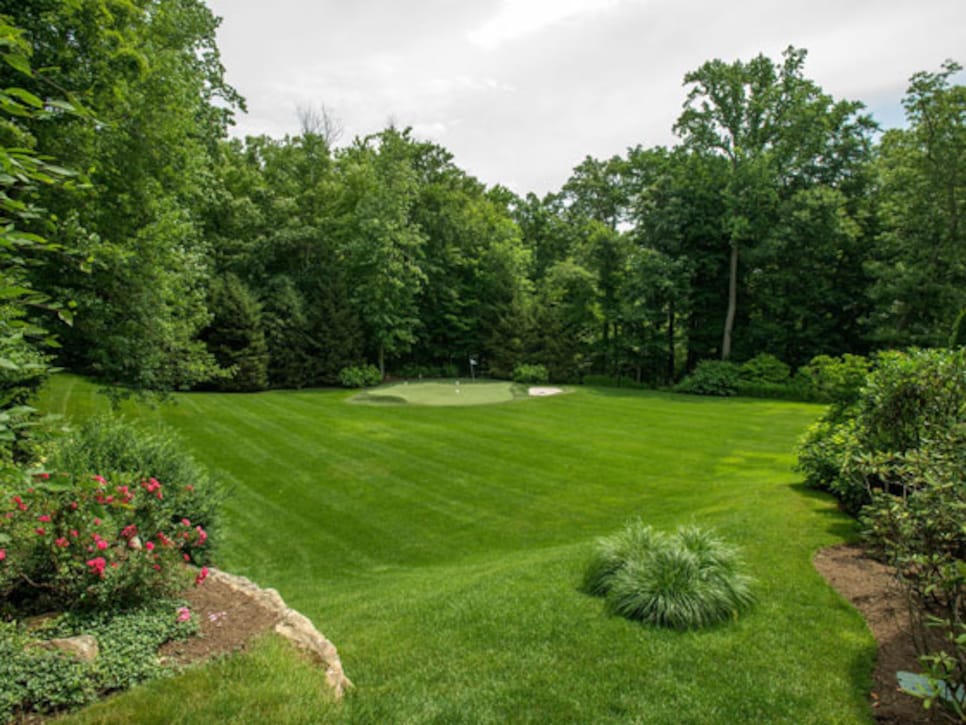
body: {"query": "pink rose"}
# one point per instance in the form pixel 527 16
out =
pixel 184 614
pixel 202 575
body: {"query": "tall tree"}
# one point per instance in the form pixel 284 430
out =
pixel 920 269
pixel 380 243
pixel 778 132
pixel 150 74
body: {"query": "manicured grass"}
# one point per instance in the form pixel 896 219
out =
pixel 441 549
pixel 442 392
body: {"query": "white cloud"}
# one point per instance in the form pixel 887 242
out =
pixel 522 17
pixel 522 90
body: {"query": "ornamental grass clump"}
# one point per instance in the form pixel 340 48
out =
pixel 686 580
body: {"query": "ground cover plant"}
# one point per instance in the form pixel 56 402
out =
pixel 441 549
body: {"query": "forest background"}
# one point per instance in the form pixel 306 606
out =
pixel 783 222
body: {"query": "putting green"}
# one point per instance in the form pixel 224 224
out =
pixel 442 392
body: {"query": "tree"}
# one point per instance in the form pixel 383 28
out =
pixel 920 266
pixel 778 133
pixel 235 337
pixel 150 74
pixel 381 245
pixel 565 321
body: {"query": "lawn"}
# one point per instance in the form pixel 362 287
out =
pixel 440 548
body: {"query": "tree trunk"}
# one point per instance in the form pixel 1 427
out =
pixel 670 342
pixel 732 302
pixel 382 361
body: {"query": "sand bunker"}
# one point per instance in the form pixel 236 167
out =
pixel 541 391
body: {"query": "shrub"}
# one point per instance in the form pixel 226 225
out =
pixel 898 453
pixel 712 377
pixel 791 390
pixel 88 544
pixel 822 454
pixel 765 368
pixel 685 580
pixel 921 534
pixel 359 376
pixel 119 450
pixel 526 373
pixel 835 380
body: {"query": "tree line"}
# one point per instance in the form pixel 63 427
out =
pixel 783 222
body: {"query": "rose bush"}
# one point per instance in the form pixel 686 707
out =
pixel 68 543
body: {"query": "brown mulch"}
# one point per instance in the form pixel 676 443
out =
pixel 229 621
pixel 872 589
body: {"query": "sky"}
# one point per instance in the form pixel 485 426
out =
pixel 521 91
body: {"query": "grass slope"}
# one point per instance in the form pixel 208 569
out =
pixel 441 550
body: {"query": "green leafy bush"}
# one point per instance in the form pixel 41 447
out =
pixel 527 373
pixel 822 455
pixel 836 380
pixel 685 580
pixel 897 456
pixel 359 376
pixel 765 368
pixel 119 450
pixel 712 377
pixel 35 680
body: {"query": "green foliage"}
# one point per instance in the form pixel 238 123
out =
pixel 859 448
pixel 823 453
pixel 897 455
pixel 360 376
pixel 235 336
pixel 712 377
pixel 836 380
pixel 765 368
pixel 86 543
pixel 918 265
pixel 921 534
pixel 530 373
pixel 118 449
pixel 958 336
pixel 24 171
pixel 151 76
pixel 36 680
pixel 685 580
pixel 413 370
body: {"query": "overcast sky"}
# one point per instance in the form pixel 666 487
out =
pixel 520 91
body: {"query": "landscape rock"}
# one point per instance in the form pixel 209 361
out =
pixel 293 626
pixel 83 646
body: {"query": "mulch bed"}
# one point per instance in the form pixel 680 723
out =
pixel 229 621
pixel 873 590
